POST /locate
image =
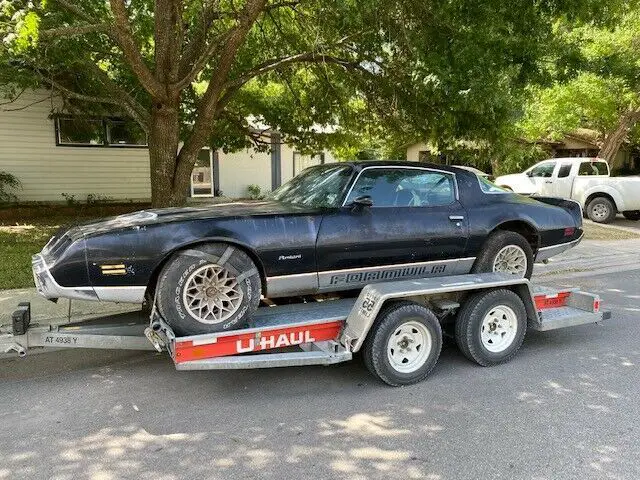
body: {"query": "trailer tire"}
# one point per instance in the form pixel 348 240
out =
pixel 497 243
pixel 480 333
pixel 210 288
pixel 404 344
pixel 601 210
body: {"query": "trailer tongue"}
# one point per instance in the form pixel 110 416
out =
pixel 397 325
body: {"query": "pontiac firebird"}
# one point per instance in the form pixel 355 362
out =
pixel 332 228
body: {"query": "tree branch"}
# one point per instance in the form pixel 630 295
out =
pixel 208 105
pixel 308 57
pixel 77 11
pixel 124 37
pixel 75 30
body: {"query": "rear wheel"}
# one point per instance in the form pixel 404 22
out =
pixel 601 210
pixel 207 289
pixel 507 252
pixel 632 215
pixel 490 326
pixel 404 344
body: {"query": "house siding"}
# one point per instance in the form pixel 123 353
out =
pixel 240 169
pixel 28 150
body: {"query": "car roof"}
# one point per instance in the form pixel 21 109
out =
pixel 401 163
pixel 575 159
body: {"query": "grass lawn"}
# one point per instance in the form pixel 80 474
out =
pixel 24 230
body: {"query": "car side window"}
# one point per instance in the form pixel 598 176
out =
pixel 544 170
pixel 565 170
pixel 404 187
pixel 592 168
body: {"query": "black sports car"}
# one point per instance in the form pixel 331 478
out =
pixel 334 227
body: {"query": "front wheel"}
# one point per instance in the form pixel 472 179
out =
pixel 404 344
pixel 207 289
pixel 507 252
pixel 490 326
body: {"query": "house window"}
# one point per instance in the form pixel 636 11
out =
pixel 79 131
pixel 99 132
pixel 125 133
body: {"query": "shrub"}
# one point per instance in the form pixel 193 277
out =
pixel 254 191
pixel 8 182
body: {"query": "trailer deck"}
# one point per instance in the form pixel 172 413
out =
pixel 313 333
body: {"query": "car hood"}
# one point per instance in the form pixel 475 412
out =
pixel 178 214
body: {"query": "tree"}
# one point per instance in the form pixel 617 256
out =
pixel 597 83
pixel 198 72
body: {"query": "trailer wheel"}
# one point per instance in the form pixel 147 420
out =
pixel 209 288
pixel 490 326
pixel 403 344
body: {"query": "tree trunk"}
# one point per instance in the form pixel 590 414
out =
pixel 164 138
pixel 614 139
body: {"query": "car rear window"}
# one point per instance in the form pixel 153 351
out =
pixel 593 168
pixel 488 187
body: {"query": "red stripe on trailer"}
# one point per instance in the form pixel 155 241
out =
pixel 544 302
pixel 268 339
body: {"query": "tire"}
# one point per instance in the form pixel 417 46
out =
pixel 632 215
pixel 497 245
pixel 418 327
pixel 601 210
pixel 487 349
pixel 184 281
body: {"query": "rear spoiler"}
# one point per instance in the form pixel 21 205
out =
pixel 571 206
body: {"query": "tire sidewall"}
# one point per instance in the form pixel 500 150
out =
pixel 604 201
pixel 476 328
pixel 495 243
pixel 391 318
pixel 173 281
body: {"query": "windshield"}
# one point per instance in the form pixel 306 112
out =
pixel 320 186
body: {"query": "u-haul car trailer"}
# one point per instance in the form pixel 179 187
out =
pixel 396 325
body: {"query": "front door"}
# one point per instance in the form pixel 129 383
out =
pixel 202 175
pixel 415 228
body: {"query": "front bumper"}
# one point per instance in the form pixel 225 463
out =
pixel 49 288
pixel 547 252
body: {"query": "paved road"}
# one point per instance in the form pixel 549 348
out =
pixel 566 407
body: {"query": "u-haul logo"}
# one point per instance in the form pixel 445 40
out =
pixel 274 341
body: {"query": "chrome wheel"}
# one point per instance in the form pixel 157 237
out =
pixel 409 347
pixel 499 328
pixel 212 294
pixel 600 211
pixel 511 259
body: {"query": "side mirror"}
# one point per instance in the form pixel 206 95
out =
pixel 529 173
pixel 362 201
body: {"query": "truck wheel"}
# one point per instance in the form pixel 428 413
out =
pixel 490 326
pixel 210 288
pixel 601 210
pixel 632 215
pixel 506 252
pixel 403 344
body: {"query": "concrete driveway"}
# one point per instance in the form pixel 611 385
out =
pixel 565 407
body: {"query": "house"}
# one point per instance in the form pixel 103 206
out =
pixel 108 157
pixel 582 142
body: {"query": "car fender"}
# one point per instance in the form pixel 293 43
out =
pixel 518 182
pixel 591 191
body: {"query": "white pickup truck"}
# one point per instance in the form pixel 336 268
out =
pixel 585 180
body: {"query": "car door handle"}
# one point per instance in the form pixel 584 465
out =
pixel 456 218
pixel 548 181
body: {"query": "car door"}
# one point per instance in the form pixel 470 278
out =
pixel 414 228
pixel 561 181
pixel 541 176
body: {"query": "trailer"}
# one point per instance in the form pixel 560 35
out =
pixel 397 326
